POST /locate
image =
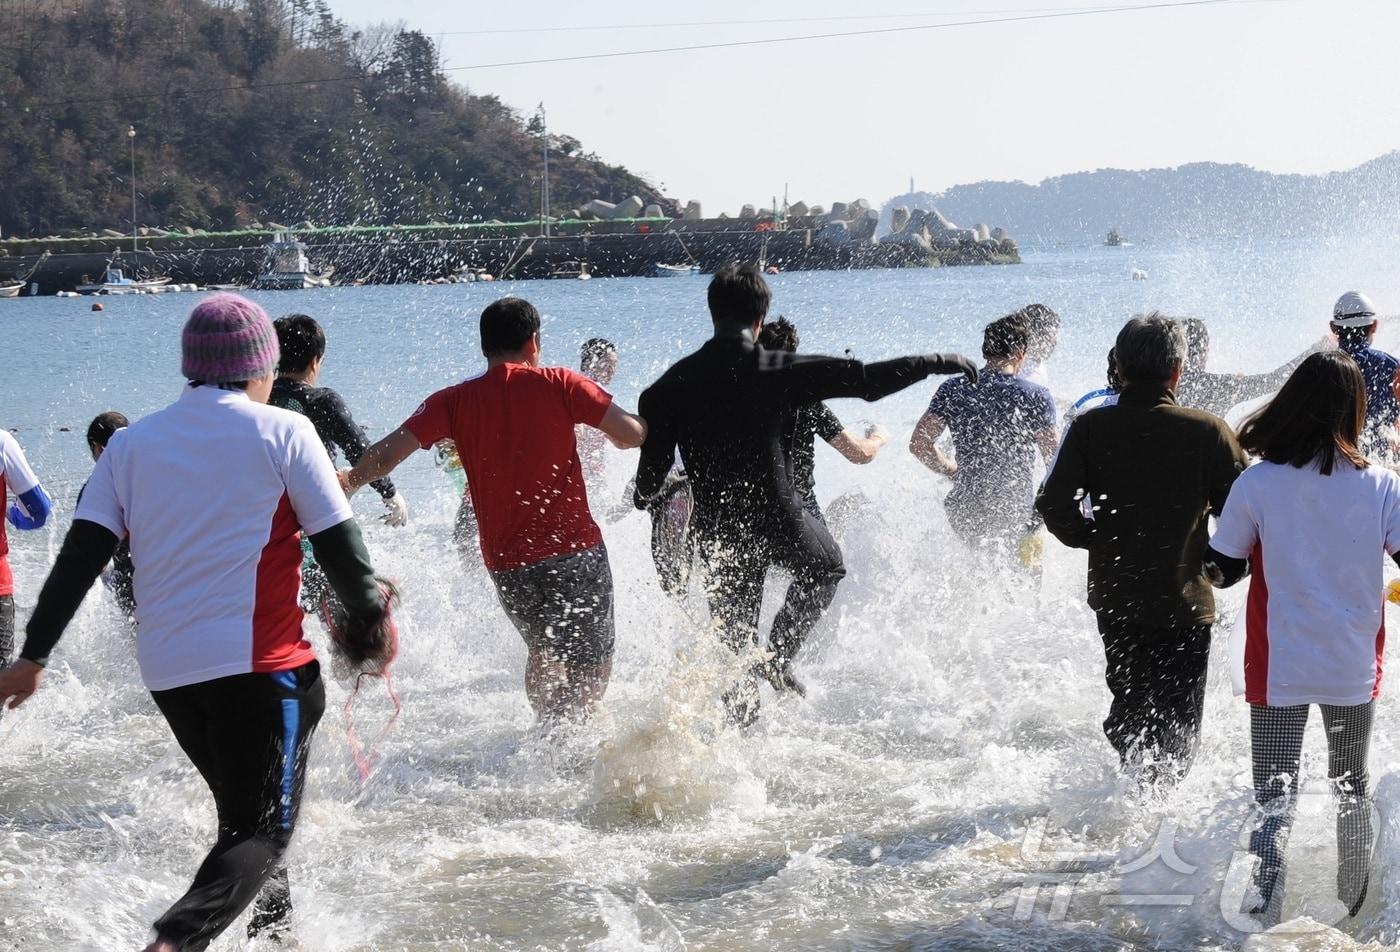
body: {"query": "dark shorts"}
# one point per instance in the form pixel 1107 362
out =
pixel 563 605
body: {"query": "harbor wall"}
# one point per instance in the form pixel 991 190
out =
pixel 517 252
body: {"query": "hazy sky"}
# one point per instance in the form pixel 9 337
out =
pixel 1290 86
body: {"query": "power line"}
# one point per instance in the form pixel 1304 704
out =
pixel 579 28
pixel 731 44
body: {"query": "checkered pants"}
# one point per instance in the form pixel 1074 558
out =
pixel 1276 734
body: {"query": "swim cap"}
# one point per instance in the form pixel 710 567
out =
pixel 1353 309
pixel 228 339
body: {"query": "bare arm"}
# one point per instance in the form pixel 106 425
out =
pixel 380 459
pixel 860 449
pixel 625 430
pixel 924 445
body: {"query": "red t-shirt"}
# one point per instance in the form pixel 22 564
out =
pixel 514 430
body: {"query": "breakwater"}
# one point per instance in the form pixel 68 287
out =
pixel 414 253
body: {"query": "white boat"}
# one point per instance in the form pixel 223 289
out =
pixel 578 270
pixel 287 267
pixel 1115 239
pixel 115 281
pixel 660 270
pixel 11 289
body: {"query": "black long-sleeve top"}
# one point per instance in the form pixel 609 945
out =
pixel 326 410
pixel 724 407
pixel 1154 472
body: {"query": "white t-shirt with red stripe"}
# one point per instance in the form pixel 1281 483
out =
pixel 15 477
pixel 1315 619
pixel 214 492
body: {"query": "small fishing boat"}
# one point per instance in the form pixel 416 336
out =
pixel 288 268
pixel 660 270
pixel 578 270
pixel 1115 239
pixel 115 281
pixel 11 289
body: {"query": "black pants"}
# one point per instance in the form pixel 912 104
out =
pixel 737 567
pixel 248 735
pixel 7 630
pixel 1276 736
pixel 1158 680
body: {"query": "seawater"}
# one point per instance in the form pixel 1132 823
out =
pixel 945 785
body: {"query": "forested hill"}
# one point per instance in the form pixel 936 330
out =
pixel 228 132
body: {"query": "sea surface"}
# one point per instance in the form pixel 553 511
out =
pixel 945 785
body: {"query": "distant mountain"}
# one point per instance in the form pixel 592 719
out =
pixel 1202 199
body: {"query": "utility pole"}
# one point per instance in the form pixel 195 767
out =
pixel 131 138
pixel 544 188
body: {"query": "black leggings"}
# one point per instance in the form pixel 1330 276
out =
pixel 7 630
pixel 736 572
pixel 248 735
pixel 1276 735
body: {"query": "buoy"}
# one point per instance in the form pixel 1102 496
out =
pixel 97 306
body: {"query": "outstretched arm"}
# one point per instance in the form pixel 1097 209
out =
pixel 924 445
pixel 822 378
pixel 332 417
pixel 380 459
pixel 624 430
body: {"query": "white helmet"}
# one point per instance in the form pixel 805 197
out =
pixel 1353 309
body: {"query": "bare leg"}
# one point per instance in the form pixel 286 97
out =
pixel 587 683
pixel 545 677
pixel 557 689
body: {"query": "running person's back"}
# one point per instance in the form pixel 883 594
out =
pixel 513 428
pixel 726 404
pixel 724 407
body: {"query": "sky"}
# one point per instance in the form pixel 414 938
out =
pixel 1283 85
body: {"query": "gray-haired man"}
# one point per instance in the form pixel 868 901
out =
pixel 1153 472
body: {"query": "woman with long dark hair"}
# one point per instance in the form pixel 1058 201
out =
pixel 1311 522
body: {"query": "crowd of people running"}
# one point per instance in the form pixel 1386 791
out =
pixel 219 520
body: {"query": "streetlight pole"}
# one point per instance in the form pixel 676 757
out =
pixel 131 138
pixel 544 190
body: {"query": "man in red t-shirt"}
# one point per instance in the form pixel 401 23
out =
pixel 514 430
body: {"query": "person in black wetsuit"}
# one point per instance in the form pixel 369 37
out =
pixel 1218 393
pixel 118 575
pixel 808 422
pixel 303 344
pixel 724 406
